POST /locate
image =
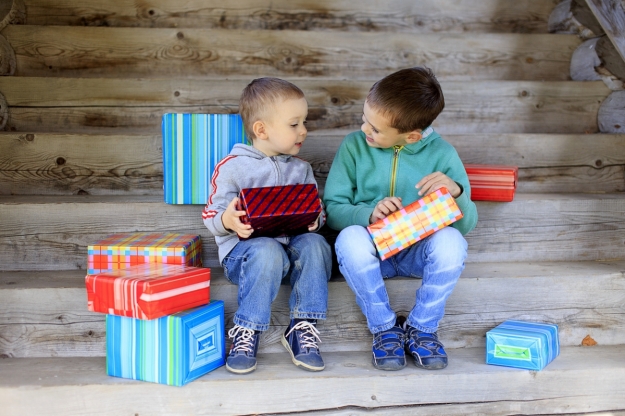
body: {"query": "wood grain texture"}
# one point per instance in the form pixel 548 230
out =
pixel 535 227
pixel 12 12
pixel 611 115
pixel 348 383
pixel 4 112
pixel 611 16
pixel 67 104
pixel 199 53
pixel 7 58
pixel 71 164
pixel 610 57
pixel 45 312
pixel 420 16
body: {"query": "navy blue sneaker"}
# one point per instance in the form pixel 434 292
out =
pixel 242 356
pixel 300 340
pixel 388 349
pixel 428 352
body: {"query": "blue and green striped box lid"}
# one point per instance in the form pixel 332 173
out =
pixel 192 145
pixel 520 344
pixel 173 350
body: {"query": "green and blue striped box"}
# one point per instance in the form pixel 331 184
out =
pixel 527 345
pixel 192 145
pixel 174 349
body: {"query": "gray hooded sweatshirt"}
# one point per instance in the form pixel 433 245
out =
pixel 247 167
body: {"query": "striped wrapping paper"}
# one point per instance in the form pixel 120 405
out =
pixel 192 145
pixel 280 210
pixel 492 182
pixel 119 251
pixel 521 344
pixel 174 349
pixel 148 291
pixel 413 223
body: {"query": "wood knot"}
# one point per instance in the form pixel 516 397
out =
pixel 523 93
pixel 180 35
pixel 598 163
pixel 177 94
pixel 60 161
pixel 588 341
pixel 30 137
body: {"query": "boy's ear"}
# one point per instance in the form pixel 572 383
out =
pixel 414 136
pixel 260 131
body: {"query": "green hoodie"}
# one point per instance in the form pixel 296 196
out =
pixel 361 176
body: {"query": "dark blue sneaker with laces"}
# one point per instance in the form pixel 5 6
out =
pixel 388 349
pixel 242 356
pixel 428 352
pixel 300 340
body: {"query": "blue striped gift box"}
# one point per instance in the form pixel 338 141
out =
pixel 192 145
pixel 521 344
pixel 174 349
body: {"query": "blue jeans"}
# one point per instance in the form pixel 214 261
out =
pixel 438 259
pixel 259 265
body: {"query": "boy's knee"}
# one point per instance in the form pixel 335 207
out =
pixel 448 244
pixel 267 250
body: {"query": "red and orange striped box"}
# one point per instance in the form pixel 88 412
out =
pixel 119 251
pixel 492 182
pixel 148 291
pixel 280 210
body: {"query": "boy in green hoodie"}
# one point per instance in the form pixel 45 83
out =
pixel 393 161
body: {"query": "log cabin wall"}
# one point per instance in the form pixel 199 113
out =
pixel 85 85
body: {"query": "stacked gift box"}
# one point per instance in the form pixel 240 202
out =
pixel 492 182
pixel 161 325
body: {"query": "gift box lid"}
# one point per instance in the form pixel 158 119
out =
pixel 492 175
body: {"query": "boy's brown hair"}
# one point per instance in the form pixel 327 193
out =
pixel 410 98
pixel 260 95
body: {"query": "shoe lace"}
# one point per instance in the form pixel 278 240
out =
pixel 243 339
pixel 310 334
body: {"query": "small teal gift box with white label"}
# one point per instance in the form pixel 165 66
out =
pixel 174 349
pixel 527 345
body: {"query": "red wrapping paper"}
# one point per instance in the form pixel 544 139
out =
pixel 492 182
pixel 148 291
pixel 280 210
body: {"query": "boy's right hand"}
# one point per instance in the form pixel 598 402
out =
pixel 232 221
pixel 385 207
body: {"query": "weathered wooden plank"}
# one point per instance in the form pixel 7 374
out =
pixel 582 13
pixel 69 164
pixel 419 16
pixel 611 16
pixel 45 312
pixel 52 233
pixel 197 53
pixel 348 382
pixel 610 57
pixel 12 11
pixel 70 104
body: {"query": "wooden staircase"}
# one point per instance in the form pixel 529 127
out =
pixel 80 158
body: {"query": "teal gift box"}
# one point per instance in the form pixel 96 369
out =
pixel 174 349
pixel 520 344
pixel 193 144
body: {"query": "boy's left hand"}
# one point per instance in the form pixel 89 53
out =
pixel 314 225
pixel 435 181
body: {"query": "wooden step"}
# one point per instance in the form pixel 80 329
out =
pixel 52 233
pixel 75 163
pixel 45 314
pixel 419 16
pixel 128 105
pixel 71 51
pixel 580 380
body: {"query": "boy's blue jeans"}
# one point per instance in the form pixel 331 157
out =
pixel 438 259
pixel 259 265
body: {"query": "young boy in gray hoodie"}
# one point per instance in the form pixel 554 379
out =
pixel 274 115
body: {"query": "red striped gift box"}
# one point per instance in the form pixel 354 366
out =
pixel 148 291
pixel 280 210
pixel 492 182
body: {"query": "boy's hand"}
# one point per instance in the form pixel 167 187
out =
pixel 435 181
pixel 232 221
pixel 314 225
pixel 385 207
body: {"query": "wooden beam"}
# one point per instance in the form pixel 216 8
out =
pixel 200 53
pixel 611 17
pixel 583 14
pixel 610 57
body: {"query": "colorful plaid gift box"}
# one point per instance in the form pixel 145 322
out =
pixel 492 182
pixel 192 145
pixel 174 349
pixel 119 251
pixel 413 223
pixel 280 210
pixel 148 291
pixel 522 344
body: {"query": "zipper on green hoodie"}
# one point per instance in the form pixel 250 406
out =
pixel 397 149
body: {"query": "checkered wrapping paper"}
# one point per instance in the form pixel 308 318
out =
pixel 119 251
pixel 148 291
pixel 192 145
pixel 171 350
pixel 280 210
pixel 413 223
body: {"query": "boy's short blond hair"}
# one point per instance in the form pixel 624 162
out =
pixel 259 97
pixel 410 98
